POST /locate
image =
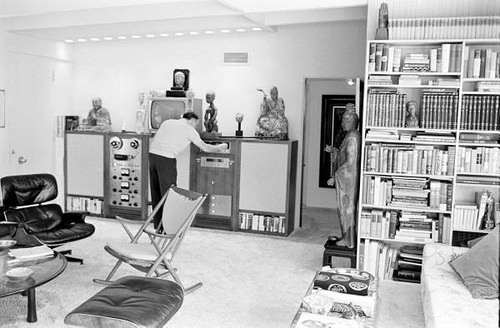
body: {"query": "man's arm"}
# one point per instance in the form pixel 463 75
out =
pixel 195 139
pixel 210 148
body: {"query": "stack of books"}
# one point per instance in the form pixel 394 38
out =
pixel 380 79
pixel 410 80
pixel 416 227
pixel 409 264
pixel 410 192
pixel 416 63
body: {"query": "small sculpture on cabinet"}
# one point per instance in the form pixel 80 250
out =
pixel 211 114
pixel 272 121
pixel 411 120
pixel 98 118
pixel 239 118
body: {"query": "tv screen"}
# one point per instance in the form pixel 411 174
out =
pixel 166 109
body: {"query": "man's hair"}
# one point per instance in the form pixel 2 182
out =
pixel 190 115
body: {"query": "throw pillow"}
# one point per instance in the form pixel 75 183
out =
pixel 478 267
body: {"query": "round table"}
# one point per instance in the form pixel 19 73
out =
pixel 44 271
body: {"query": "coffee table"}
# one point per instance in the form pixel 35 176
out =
pixel 44 271
pixel 368 323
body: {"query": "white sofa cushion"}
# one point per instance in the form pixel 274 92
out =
pixel 446 300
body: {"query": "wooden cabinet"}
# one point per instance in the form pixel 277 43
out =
pixel 251 187
pixel 267 186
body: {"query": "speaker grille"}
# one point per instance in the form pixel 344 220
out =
pixel 236 58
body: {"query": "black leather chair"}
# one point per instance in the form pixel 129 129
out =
pixel 24 197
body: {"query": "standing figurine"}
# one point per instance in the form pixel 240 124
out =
pixel 346 163
pixel 411 120
pixel 211 113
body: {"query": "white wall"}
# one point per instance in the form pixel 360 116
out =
pixel 118 70
pixel 14 50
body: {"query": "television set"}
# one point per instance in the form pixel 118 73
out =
pixel 161 109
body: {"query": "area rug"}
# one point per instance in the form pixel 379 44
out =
pixel 248 281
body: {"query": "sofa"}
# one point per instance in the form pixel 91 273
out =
pixel 448 285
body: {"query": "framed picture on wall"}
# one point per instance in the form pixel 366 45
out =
pixel 2 108
pixel 332 134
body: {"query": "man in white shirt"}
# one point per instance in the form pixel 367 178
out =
pixel 171 139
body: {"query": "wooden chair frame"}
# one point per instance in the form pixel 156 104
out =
pixel 164 242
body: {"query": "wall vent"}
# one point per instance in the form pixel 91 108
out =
pixel 236 58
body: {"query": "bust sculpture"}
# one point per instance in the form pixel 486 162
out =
pixel 411 119
pixel 272 121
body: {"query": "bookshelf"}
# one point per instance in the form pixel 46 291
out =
pixel 427 179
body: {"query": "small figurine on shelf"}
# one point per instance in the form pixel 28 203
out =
pixel 211 114
pixel 382 32
pixel 411 120
pixel 488 221
pixel 239 118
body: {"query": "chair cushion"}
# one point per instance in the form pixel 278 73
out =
pixel 130 302
pixel 20 190
pixel 66 233
pixel 136 251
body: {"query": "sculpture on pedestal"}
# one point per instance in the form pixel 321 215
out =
pixel 346 161
pixel 272 121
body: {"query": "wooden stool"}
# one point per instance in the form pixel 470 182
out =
pixel 332 250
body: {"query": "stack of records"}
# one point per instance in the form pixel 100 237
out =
pixel 409 264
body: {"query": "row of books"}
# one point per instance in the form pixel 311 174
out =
pixel 86 204
pixel 409 159
pixel 378 258
pixel 480 112
pixel 487 86
pixel 259 222
pixel 386 108
pixel 438 109
pixel 407 227
pixel 476 27
pixel 478 160
pixel 384 192
pixel 482 62
pixel 479 180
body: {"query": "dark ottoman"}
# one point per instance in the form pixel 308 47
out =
pixel 130 302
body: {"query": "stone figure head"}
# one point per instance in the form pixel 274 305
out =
pixel 274 93
pixel 179 79
pixel 97 103
pixel 350 118
pixel 210 97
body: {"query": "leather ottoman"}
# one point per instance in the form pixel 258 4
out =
pixel 130 302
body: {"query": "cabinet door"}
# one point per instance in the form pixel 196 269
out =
pixel 264 177
pixel 85 164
